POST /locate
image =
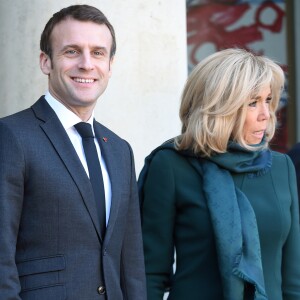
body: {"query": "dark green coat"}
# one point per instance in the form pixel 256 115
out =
pixel 175 216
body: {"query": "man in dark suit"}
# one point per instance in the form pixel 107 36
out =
pixel 58 238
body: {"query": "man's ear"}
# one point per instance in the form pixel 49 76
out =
pixel 45 63
pixel 111 61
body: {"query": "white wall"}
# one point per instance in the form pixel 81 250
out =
pixel 142 100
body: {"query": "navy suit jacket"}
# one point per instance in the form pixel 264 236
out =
pixel 50 242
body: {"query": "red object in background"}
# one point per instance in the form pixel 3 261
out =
pixel 208 24
pixel 280 140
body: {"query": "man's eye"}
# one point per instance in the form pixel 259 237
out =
pixel 71 52
pixel 98 53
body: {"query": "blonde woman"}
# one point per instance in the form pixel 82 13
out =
pixel 218 196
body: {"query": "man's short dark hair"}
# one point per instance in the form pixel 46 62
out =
pixel 80 13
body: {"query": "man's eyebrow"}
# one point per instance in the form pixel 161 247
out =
pixel 70 46
pixel 100 48
pixel 75 46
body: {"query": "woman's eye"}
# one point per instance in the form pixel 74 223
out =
pixel 268 100
pixel 252 104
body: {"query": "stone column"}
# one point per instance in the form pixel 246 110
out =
pixel 142 100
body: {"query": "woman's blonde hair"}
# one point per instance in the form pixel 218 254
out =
pixel 216 96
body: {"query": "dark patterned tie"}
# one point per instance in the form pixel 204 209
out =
pixel 85 130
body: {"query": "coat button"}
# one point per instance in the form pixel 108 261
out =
pixel 101 290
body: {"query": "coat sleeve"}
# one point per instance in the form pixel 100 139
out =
pixel 132 260
pixel 11 200
pixel 291 251
pixel 158 218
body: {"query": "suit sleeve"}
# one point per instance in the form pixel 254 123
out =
pixel 291 251
pixel 158 215
pixel 133 268
pixel 11 200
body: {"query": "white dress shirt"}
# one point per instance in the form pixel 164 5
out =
pixel 68 119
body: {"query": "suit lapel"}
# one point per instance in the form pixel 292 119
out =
pixel 110 154
pixel 61 142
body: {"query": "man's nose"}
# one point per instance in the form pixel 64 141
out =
pixel 86 62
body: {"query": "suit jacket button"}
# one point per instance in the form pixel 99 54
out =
pixel 101 290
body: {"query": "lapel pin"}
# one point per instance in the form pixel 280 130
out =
pixel 104 139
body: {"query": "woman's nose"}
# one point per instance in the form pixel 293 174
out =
pixel 264 113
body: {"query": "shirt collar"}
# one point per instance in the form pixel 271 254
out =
pixel 67 118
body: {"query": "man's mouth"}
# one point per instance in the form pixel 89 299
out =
pixel 83 80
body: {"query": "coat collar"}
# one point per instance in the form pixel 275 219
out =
pixel 110 150
pixel 62 144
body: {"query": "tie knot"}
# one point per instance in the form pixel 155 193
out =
pixel 84 129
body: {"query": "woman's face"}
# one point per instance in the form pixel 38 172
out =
pixel 257 117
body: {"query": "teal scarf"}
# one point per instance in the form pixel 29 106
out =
pixel 232 215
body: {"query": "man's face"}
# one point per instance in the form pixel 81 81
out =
pixel 80 67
